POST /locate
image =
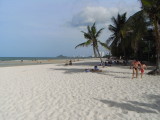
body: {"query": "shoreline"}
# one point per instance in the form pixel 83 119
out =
pixel 12 63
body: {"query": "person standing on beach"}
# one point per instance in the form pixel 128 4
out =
pixel 143 66
pixel 135 65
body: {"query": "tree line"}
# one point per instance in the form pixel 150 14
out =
pixel 137 37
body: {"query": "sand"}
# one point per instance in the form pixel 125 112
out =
pixel 58 92
pixel 34 62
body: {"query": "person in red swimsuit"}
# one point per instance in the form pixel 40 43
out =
pixel 143 66
pixel 135 65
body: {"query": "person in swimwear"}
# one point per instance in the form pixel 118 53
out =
pixel 135 65
pixel 142 67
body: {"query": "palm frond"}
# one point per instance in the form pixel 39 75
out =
pixel 114 21
pixel 99 32
pixel 84 44
pixel 86 35
pixel 89 42
pixel 110 40
pixel 146 3
pixel 123 17
pixel 80 45
pixel 115 42
pixel 93 29
pixel 104 45
pixel 112 28
pixel 83 32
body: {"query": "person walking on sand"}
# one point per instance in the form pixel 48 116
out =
pixel 142 67
pixel 135 65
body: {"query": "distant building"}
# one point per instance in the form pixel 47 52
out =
pixel 101 53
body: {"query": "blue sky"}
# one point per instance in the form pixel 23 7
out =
pixel 48 28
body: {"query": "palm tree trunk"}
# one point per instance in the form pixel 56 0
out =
pixel 95 53
pixel 157 38
pixel 123 46
pixel 135 51
pixel 124 52
pixel 99 55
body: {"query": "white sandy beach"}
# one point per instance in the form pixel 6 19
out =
pixel 58 92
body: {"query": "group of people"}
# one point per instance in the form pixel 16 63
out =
pixel 136 66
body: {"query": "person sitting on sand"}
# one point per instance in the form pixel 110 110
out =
pixel 142 67
pixel 93 70
pixel 96 68
pixel 70 62
pixel 106 64
pixel 135 65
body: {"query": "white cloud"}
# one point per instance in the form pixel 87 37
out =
pixel 90 15
pixel 101 15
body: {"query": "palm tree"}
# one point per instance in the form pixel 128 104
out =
pixel 119 33
pixel 152 9
pixel 92 39
pixel 136 26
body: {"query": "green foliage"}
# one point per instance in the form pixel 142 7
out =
pixel 152 9
pixel 132 37
pixel 135 37
pixel 137 24
pixel 118 37
pixel 92 39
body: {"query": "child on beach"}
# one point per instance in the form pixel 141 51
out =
pixel 142 67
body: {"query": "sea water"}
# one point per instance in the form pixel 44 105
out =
pixel 25 58
pixel 18 61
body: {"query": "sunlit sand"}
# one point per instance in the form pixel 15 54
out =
pixel 58 92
